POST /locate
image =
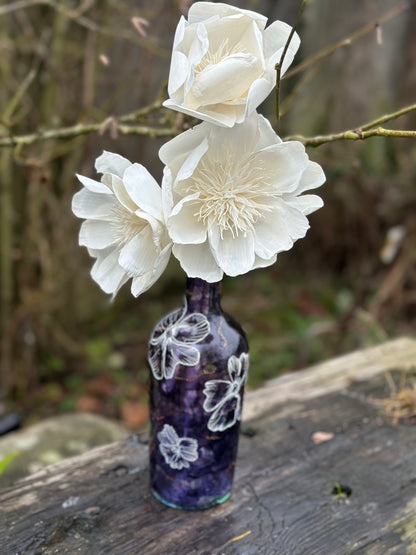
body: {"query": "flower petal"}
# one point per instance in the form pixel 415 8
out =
pixel 295 222
pixel 312 177
pixel 191 162
pixel 93 206
pixel 233 254
pixel 183 225
pixel 275 37
pixel 109 162
pixel 241 139
pixel 224 116
pixel 201 11
pixel 109 275
pixel 258 91
pixel 94 186
pixel 287 161
pixel 161 262
pixel 306 203
pixel 263 262
pixel 197 261
pixel 179 147
pixel 97 234
pixel 272 235
pixel 167 194
pixel 138 256
pixel 178 72
pixel 122 195
pixel 266 135
pixel 224 81
pixel 144 190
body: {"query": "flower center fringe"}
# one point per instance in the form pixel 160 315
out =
pixel 233 194
pixel 126 224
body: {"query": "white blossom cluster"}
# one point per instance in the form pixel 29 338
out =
pixel 231 195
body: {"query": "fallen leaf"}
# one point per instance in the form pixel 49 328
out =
pixel 321 437
pixel 134 414
pixel 88 403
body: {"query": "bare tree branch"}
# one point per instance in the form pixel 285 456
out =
pixel 369 129
pixel 84 129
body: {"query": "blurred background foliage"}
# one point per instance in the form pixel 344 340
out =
pixel 349 284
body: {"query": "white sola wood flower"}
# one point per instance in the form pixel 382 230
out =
pixel 233 196
pixel 223 62
pixel 124 226
pixel 177 451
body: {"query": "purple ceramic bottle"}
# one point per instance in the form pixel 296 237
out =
pixel 199 361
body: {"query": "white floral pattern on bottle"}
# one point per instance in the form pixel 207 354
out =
pixel 177 451
pixel 223 397
pixel 172 342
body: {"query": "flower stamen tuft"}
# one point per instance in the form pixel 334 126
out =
pixel 233 194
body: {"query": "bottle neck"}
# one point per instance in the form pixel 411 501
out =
pixel 202 296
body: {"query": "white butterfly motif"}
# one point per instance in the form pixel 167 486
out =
pixel 223 397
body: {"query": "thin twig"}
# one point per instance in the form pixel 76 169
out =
pixel 15 100
pixel 146 110
pixel 278 66
pixel 83 129
pixel 388 117
pixel 353 135
pixel 346 41
pixel 369 129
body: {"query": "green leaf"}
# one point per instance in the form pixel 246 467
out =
pixel 4 463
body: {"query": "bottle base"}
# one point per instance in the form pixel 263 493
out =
pixel 208 505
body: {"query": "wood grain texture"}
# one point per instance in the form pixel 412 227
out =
pixel 331 375
pixel 282 501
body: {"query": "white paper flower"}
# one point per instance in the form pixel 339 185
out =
pixel 172 342
pixel 232 196
pixel 124 228
pixel 223 397
pixel 177 451
pixel 223 62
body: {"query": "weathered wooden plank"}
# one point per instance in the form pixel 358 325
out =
pixel 332 375
pixel 282 502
